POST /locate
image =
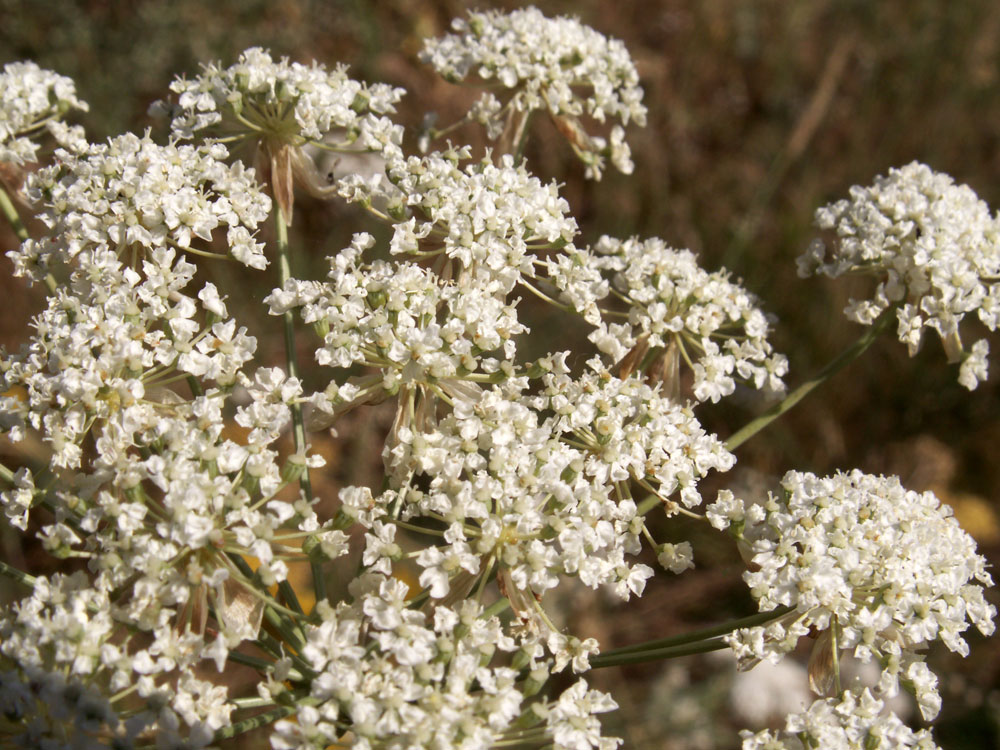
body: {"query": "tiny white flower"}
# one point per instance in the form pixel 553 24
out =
pixel 557 64
pixel 32 98
pixel 932 245
pixel 888 568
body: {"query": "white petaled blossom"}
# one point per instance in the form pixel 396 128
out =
pixel 537 484
pixel 149 488
pixel 134 196
pixel 416 327
pixel 33 100
pixel 883 570
pixel 854 721
pixel 491 219
pixel 107 337
pixel 283 106
pixel 17 501
pixel 573 719
pixel 259 95
pixel 393 677
pixel 159 449
pixel 67 669
pixel 632 429
pixel 553 64
pixel 934 247
pixel 686 312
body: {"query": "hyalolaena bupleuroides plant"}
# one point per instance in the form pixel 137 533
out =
pixel 505 478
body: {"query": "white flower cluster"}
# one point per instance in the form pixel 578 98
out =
pixel 157 456
pixel 62 654
pixel 33 100
pixel 855 721
pixel 134 196
pixel 390 676
pixel 935 248
pixel 548 63
pixel 538 485
pixel 630 429
pixel 882 569
pixel 101 344
pixel 487 217
pixel 401 318
pixel 259 97
pixel 282 107
pixel 158 480
pixel 710 321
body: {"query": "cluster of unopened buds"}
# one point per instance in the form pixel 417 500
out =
pixel 505 477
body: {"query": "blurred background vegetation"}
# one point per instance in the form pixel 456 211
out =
pixel 760 111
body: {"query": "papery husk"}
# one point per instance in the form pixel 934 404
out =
pixel 275 165
pixel 822 670
pixel 666 370
pixel 628 364
pixel 953 347
pixel 569 127
pixel 239 612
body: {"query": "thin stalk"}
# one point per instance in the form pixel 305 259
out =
pixel 13 218
pixel 9 571
pixel 851 353
pixel 251 702
pixel 521 137
pixel 640 657
pixel 291 360
pixel 287 592
pixel 500 605
pixel 261 665
pixel 484 578
pixel 648 504
pixel 260 720
pixel 698 635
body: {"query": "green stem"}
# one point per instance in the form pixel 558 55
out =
pixel 500 605
pixel 261 665
pixel 851 353
pixel 13 218
pixel 260 720
pixel 287 592
pixel 697 635
pixel 251 702
pixel 640 657
pixel 195 386
pixel 291 360
pixel 521 137
pixel 9 571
